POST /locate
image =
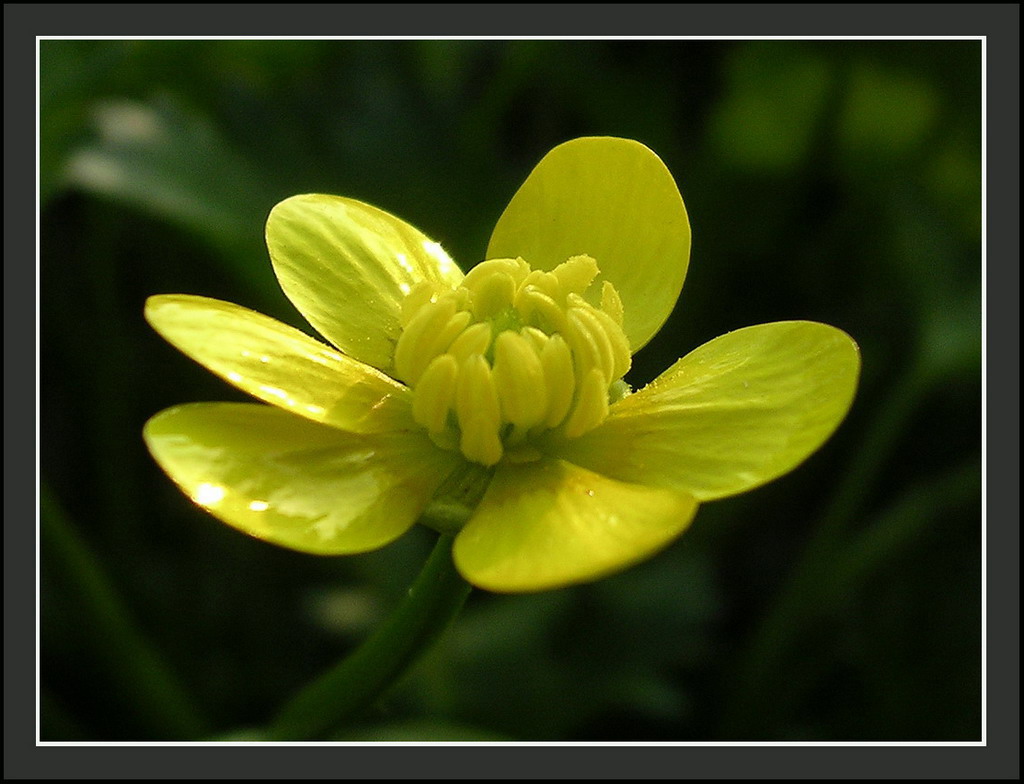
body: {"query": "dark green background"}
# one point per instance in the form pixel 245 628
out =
pixel 828 180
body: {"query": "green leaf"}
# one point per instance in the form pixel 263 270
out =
pixel 177 166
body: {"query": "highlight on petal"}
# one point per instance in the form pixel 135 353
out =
pixel 736 413
pixel 280 365
pixel 548 524
pixel 611 199
pixel 347 266
pixel 293 482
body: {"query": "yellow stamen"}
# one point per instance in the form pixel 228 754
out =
pixel 493 295
pixel 591 405
pixel 611 303
pixel 474 340
pixel 512 353
pixel 479 411
pixel 421 330
pixel 435 393
pixel 519 378
pixel 576 274
pixel 556 359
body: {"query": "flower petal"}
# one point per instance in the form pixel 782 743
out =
pixel 280 365
pixel 549 524
pixel 611 199
pixel 296 483
pixel 739 411
pixel 347 267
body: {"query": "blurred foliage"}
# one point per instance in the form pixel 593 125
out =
pixel 829 180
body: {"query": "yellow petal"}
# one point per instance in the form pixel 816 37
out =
pixel 613 200
pixel 296 483
pixel 347 267
pixel 549 524
pixel 280 365
pixel 736 413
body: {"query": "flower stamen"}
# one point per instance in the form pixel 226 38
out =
pixel 511 353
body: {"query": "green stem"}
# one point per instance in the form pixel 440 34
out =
pixel 354 683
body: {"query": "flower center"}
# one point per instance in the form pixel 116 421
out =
pixel 512 353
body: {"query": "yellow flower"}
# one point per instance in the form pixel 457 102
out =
pixel 492 404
